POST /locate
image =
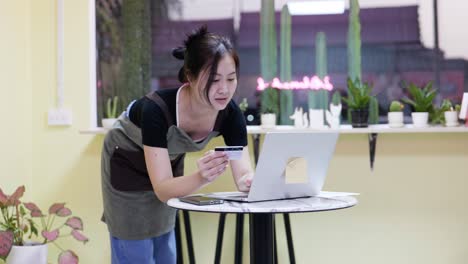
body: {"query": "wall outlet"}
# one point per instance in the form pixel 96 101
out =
pixel 59 117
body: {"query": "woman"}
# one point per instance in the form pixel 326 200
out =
pixel 142 160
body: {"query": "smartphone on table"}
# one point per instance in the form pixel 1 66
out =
pixel 201 200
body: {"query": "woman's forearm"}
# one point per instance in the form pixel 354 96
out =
pixel 179 186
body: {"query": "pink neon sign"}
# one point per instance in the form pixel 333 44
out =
pixel 313 83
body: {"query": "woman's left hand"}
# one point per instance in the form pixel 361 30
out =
pixel 244 183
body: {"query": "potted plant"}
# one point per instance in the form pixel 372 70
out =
pixel 17 223
pixel 421 100
pixel 269 107
pixel 243 105
pixel 395 114
pixel 111 112
pixel 268 118
pixel 437 116
pixel 449 112
pixel 358 102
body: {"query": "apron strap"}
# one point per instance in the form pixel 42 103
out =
pixel 178 163
pixel 160 102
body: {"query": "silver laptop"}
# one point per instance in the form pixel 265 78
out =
pixel 270 183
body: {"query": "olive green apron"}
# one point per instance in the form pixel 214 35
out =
pixel 131 208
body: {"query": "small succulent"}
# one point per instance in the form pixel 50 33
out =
pixel 396 106
pixel 421 97
pixel 359 94
pixel 244 105
pixel 269 101
pixel 437 115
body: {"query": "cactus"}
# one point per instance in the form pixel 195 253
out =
pixel 396 106
pixel 321 67
pixel 373 110
pixel 354 41
pixel 354 45
pixel 268 55
pixel 136 60
pixel 336 98
pixel 286 96
pixel 321 54
pixel 318 99
pixel 111 107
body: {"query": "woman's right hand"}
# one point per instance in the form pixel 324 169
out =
pixel 212 165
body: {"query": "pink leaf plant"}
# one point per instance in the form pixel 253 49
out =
pixel 6 240
pixel 16 222
pixel 68 257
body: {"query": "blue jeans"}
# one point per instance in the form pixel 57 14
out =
pixel 161 249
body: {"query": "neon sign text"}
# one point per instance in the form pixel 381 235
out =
pixel 313 83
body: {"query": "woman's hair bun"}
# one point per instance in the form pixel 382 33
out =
pixel 196 35
pixel 179 53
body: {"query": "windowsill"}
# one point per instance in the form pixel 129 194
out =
pixel 94 131
pixel 345 129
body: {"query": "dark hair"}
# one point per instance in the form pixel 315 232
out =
pixel 203 49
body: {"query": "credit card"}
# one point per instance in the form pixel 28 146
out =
pixel 233 152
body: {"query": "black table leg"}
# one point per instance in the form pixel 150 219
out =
pixel 180 256
pixel 287 227
pixel 239 238
pixel 275 244
pixel 261 238
pixel 188 234
pixel 219 240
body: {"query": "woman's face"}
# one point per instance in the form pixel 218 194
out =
pixel 224 83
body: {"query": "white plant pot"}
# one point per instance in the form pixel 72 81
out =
pixel 395 119
pixel 451 118
pixel 420 119
pixel 316 118
pixel 29 253
pixel 268 120
pixel 108 122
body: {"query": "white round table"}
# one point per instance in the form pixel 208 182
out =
pixel 261 217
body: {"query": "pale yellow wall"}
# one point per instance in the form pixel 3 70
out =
pixel 66 164
pixel 15 87
pixel 55 164
pixel 412 208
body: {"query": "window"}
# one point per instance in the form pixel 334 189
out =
pixel 396 47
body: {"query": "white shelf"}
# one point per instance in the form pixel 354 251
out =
pixel 345 129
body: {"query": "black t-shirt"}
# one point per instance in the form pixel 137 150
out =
pixel 148 116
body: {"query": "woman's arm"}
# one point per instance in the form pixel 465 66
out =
pixel 242 171
pixel 166 186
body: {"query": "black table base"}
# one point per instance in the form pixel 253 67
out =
pixel 260 223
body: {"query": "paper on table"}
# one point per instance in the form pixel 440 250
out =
pixel 324 194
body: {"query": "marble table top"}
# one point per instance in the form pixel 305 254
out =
pixel 309 204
